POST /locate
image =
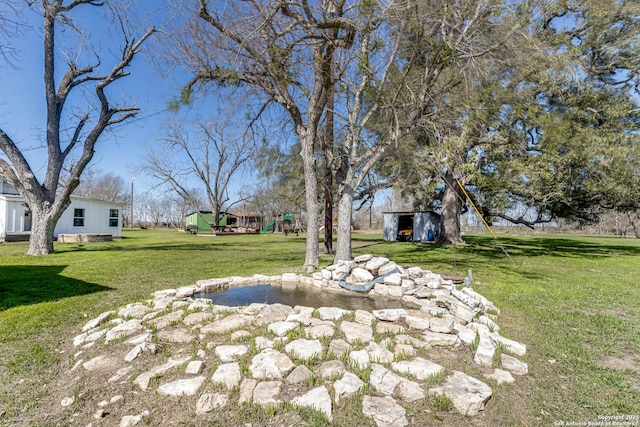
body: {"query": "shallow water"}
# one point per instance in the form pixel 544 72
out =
pixel 292 295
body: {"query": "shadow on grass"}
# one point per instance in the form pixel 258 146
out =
pixel 25 285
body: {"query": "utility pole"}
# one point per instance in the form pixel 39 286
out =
pixel 131 214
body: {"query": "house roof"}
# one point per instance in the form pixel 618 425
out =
pixel 411 212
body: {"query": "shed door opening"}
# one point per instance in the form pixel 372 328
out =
pixel 405 228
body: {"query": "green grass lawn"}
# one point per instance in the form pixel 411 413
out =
pixel 574 300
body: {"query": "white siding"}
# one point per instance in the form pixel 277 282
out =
pixel 390 224
pixel 96 218
pixel 12 219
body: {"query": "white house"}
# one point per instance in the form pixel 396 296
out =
pixel 83 216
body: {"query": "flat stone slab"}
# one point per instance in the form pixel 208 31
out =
pixel 231 353
pixel 227 324
pixel 390 314
pixel 332 313
pixel 299 375
pixel 383 381
pixel 332 369
pixel 265 393
pixel 321 331
pixel 304 349
pixel 318 399
pixel 384 411
pixel 356 332
pixel 210 401
pixel 468 394
pixel 183 387
pixel 123 330
pixel 419 368
pixel 347 386
pixel 270 364
pixel 228 374
pixel 280 328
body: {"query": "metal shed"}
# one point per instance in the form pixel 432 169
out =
pixel 410 226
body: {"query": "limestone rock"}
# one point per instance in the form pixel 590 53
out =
pixel 390 314
pixel 514 365
pixel 486 349
pixel 228 374
pixel 409 391
pixel 419 368
pixel 393 280
pixel 135 310
pixel 210 401
pixel 388 268
pixel 339 347
pixel 441 325
pixel 468 394
pixel 182 387
pixel 332 313
pixel 272 313
pixel 417 319
pixel 320 331
pixel 347 386
pixel 318 399
pixel 300 318
pixel 441 340
pixel 299 375
pixel 384 411
pixel 124 330
pixel 246 390
pixel 500 376
pixel 227 324
pixel 93 323
pixel 230 353
pixel 379 354
pixel 359 275
pixel 360 359
pixel 194 367
pixel 197 318
pixel 383 381
pixel 270 364
pixel 305 349
pixel 356 331
pixel 332 369
pixel 364 317
pixel 265 393
pixel 374 264
pixel 143 379
pixel 175 335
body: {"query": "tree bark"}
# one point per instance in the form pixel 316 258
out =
pixel 452 201
pixel 312 258
pixel 328 179
pixel 345 211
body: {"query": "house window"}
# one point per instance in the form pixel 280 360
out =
pixel 114 215
pixel 78 217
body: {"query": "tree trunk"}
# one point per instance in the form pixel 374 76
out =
pixel 43 224
pixel 312 258
pixel 452 201
pixel 328 179
pixel 345 211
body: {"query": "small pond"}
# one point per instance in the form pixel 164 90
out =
pixel 292 295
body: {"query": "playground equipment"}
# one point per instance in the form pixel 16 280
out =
pixel 284 223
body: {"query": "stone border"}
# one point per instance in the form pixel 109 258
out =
pixel 297 338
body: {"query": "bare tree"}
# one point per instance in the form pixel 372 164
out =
pixel 283 50
pixel 213 159
pixel 48 198
pixel 96 184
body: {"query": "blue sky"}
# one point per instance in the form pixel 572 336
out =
pixel 22 101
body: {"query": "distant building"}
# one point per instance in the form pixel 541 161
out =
pixel 243 222
pixel 83 216
pixel 410 226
